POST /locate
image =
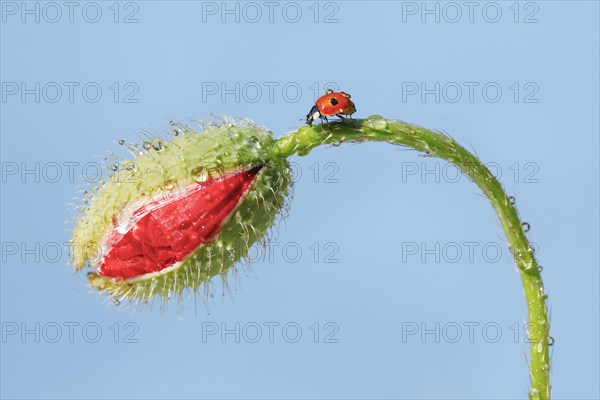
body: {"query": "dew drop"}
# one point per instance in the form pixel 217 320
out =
pixel 512 200
pixel 158 146
pixel 199 175
pixel 147 145
pixel 534 394
pixel 526 227
pixel 116 302
pixel 121 142
pixel 169 185
pixel 550 341
pixel 114 167
pixel 540 268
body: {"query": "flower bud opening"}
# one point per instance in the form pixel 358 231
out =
pixel 184 210
pixel 164 232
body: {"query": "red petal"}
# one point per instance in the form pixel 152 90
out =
pixel 169 230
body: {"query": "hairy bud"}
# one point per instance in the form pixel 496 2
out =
pixel 183 211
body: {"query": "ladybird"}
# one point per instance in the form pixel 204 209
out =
pixel 332 103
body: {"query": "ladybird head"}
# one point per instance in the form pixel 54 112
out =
pixel 312 115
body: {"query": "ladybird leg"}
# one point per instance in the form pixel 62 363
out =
pixel 325 121
pixel 328 125
pixel 340 116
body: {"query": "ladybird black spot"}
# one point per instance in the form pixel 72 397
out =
pixel 334 102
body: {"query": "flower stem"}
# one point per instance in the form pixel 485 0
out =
pixel 378 129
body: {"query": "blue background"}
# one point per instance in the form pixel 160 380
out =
pixel 372 213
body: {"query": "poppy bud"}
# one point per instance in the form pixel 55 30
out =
pixel 184 210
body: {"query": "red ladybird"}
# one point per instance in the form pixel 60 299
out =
pixel 332 103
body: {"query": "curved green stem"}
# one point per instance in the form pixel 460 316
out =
pixel 378 129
